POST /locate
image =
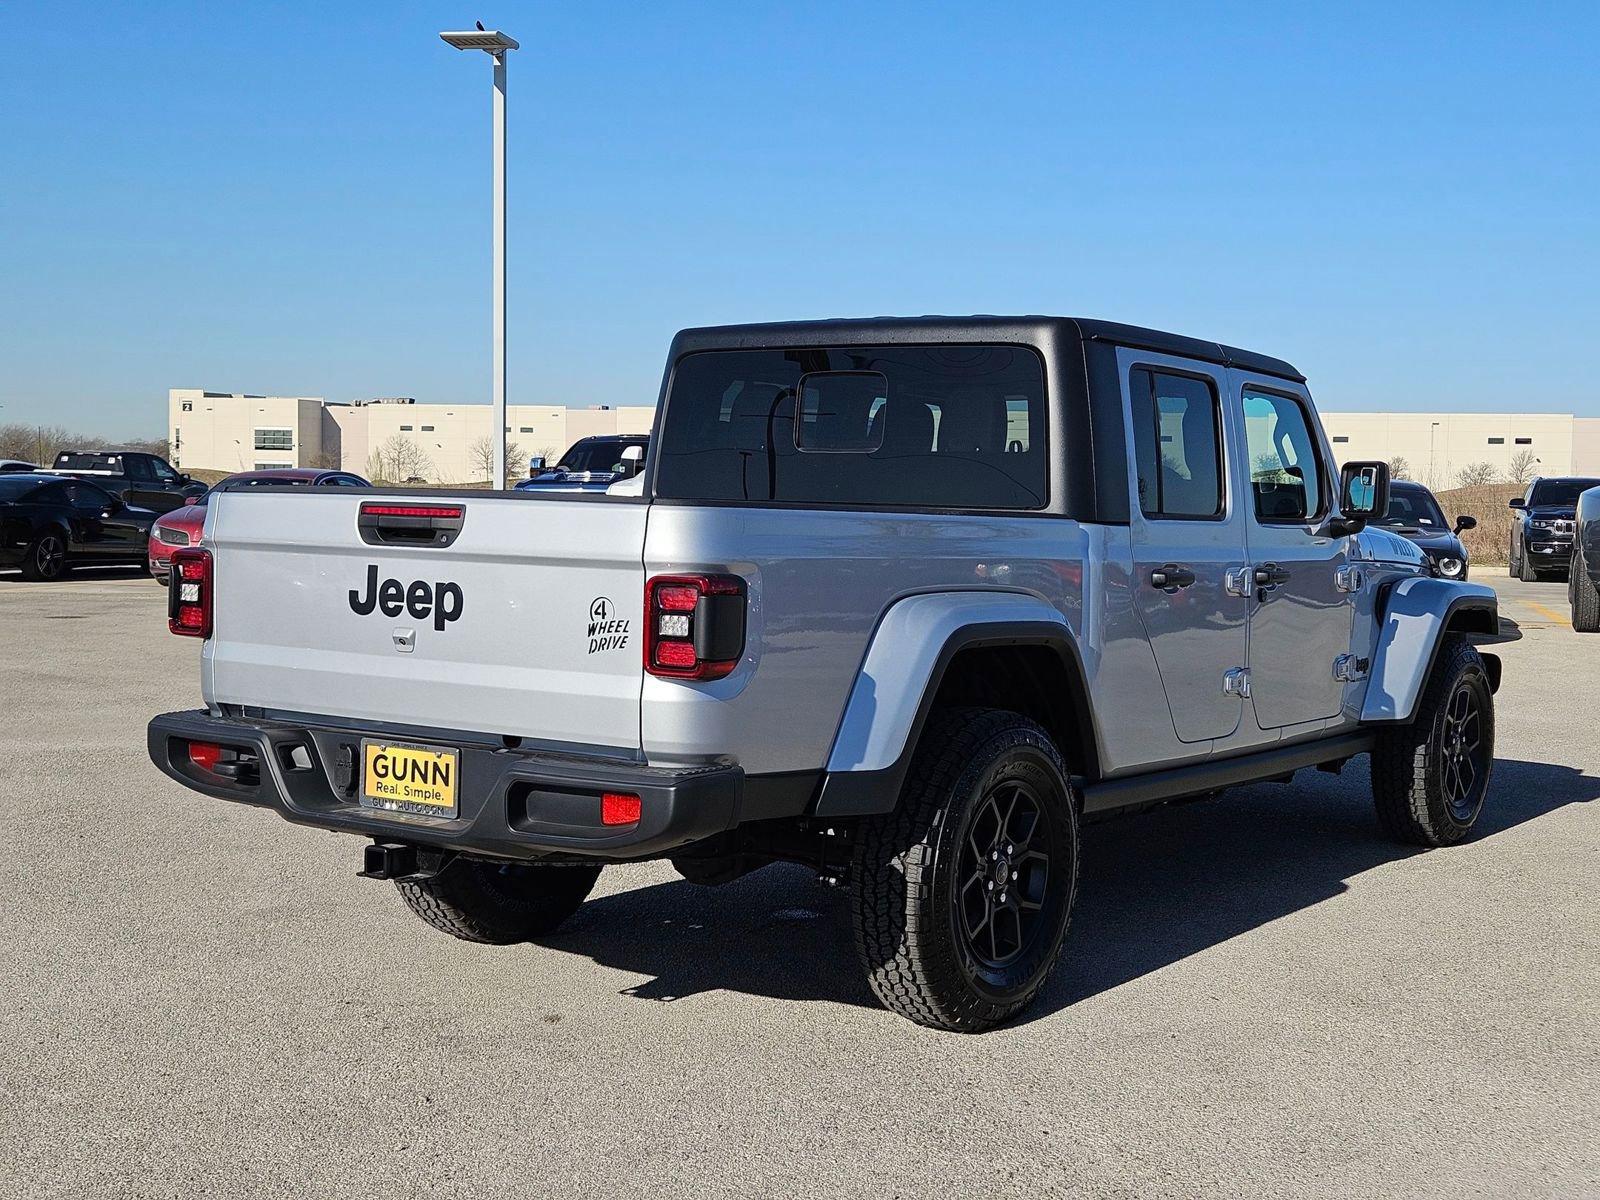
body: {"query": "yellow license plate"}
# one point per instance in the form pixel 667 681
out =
pixel 407 777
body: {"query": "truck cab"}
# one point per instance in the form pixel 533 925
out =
pixel 139 479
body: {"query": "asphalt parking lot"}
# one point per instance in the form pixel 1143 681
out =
pixel 1260 995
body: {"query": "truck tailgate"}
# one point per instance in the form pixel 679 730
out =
pixel 526 624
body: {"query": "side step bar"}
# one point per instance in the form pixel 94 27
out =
pixel 1214 774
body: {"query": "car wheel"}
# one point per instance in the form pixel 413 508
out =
pixel 46 559
pixel 1585 595
pixel 1525 568
pixel 1429 778
pixel 1513 567
pixel 498 903
pixel 961 896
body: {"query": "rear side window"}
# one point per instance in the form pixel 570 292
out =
pixel 1284 472
pixel 1177 435
pixel 865 426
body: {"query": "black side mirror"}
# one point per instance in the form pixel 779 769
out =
pixel 1464 523
pixel 1516 502
pixel 1363 495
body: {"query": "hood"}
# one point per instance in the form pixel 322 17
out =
pixel 1552 512
pixel 1376 544
pixel 1435 541
pixel 190 516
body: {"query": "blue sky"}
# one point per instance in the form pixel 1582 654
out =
pixel 1401 199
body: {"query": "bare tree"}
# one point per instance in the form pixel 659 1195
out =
pixel 399 459
pixel 1476 475
pixel 1523 466
pixel 1399 468
pixel 480 457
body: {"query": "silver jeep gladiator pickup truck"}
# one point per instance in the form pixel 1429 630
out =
pixel 902 600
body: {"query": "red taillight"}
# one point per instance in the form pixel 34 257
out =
pixel 620 808
pixel 693 625
pixel 204 755
pixel 189 593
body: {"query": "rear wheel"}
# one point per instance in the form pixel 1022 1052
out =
pixel 47 558
pixel 1429 778
pixel 498 903
pixel 1585 596
pixel 962 895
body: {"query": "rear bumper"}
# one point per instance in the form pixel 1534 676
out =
pixel 511 803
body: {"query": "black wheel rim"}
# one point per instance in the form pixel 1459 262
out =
pixel 1464 751
pixel 48 556
pixel 1004 874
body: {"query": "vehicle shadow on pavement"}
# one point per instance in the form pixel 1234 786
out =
pixel 1155 889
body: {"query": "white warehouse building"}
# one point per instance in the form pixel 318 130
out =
pixel 226 431
pixel 231 431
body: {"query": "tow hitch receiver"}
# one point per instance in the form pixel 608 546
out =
pixel 396 860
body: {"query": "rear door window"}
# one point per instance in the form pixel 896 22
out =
pixel 894 426
pixel 1177 435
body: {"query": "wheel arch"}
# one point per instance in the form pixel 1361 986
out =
pixel 1417 616
pixel 994 650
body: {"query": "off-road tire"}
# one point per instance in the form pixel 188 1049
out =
pixel 1409 768
pixel 34 569
pixel 1585 596
pixel 498 904
pixel 906 864
pixel 1513 567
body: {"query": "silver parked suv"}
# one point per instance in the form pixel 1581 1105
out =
pixel 903 600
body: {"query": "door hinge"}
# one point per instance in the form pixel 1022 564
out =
pixel 1236 581
pixel 1236 682
pixel 1349 579
pixel 1347 668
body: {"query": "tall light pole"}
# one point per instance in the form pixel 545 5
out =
pixel 495 44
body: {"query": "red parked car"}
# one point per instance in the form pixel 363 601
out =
pixel 182 526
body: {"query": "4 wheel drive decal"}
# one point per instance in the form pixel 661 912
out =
pixel 442 600
pixel 606 630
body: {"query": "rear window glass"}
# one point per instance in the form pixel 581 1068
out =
pixel 68 461
pixel 898 426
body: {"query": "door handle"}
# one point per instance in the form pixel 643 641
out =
pixel 1270 575
pixel 1171 577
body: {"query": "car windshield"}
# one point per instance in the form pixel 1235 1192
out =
pixel 290 482
pixel 599 456
pixel 1560 491
pixel 1414 508
pixel 15 487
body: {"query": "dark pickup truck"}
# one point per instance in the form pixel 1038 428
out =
pixel 139 479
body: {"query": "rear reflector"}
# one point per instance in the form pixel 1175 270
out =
pixel 189 593
pixel 620 808
pixel 204 755
pixel 446 512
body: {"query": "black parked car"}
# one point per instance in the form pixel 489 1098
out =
pixel 48 523
pixel 1583 580
pixel 1415 513
pixel 139 479
pixel 1541 535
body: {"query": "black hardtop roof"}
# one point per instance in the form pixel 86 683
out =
pixel 934 329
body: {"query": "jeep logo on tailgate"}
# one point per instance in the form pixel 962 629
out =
pixel 391 598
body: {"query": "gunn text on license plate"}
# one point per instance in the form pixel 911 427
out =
pixel 407 777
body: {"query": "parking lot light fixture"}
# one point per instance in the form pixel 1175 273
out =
pixel 495 44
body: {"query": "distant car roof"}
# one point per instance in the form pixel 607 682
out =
pixel 288 475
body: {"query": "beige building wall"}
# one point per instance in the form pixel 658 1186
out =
pixel 1437 446
pixel 230 431
pixel 1586 446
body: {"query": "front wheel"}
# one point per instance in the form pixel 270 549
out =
pixel 1525 568
pixel 962 895
pixel 1429 778
pixel 498 903
pixel 1585 597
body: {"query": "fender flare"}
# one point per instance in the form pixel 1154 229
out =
pixel 900 675
pixel 1416 615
